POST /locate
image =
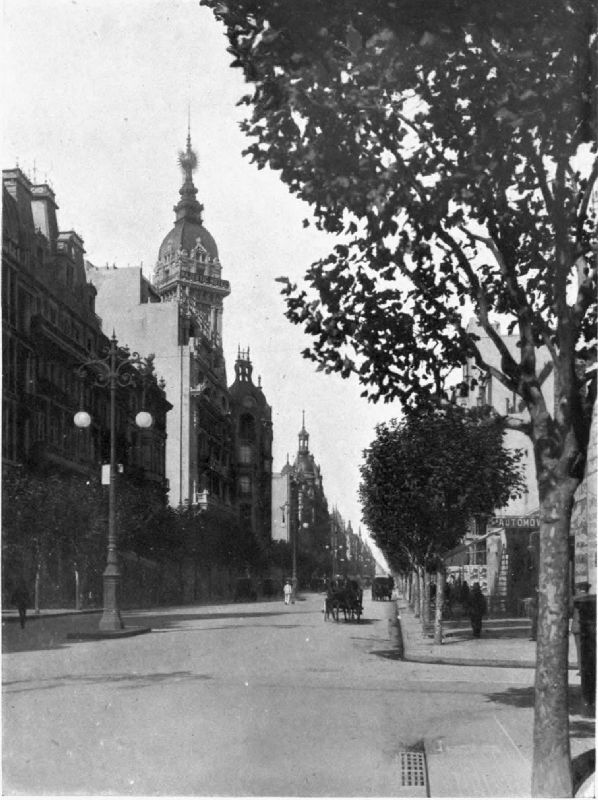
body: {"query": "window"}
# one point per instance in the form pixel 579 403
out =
pixel 245 452
pixel 245 484
pixel 247 427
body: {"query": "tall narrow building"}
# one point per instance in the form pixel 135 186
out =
pixel 300 511
pixel 252 458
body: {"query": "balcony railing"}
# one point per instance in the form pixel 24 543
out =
pixel 200 278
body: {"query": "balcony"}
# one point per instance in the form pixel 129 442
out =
pixel 195 278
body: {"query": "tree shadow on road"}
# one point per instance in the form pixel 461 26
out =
pixel 392 655
pixel 50 633
pixel 127 681
pixel 523 697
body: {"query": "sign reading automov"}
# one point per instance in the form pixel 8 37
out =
pixel 529 523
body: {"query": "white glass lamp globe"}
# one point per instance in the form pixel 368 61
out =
pixel 82 419
pixel 144 419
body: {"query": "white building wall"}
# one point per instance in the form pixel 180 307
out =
pixel 153 328
pixel 280 508
pixel 499 397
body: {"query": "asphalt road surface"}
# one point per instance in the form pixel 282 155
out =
pixel 255 699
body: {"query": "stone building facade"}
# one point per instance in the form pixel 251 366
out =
pixel 50 329
pixel 503 555
pixel 251 418
pixel 300 512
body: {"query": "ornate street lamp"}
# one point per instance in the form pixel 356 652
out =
pixel 113 371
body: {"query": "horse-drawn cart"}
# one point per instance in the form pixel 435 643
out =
pixel 382 588
pixel 346 599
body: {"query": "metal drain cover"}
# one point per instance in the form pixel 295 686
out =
pixel 414 776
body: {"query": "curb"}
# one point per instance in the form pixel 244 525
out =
pixel 123 633
pixel 50 615
pixel 461 662
pixel 471 662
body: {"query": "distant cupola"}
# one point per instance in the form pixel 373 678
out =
pixel 303 439
pixel 243 366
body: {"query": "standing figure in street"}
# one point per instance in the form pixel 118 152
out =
pixel 288 591
pixel 477 609
pixel 20 599
pixel 582 588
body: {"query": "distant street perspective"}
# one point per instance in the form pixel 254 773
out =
pixel 300 366
pixel 259 699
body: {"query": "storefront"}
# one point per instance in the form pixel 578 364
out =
pixel 504 562
pixel 513 546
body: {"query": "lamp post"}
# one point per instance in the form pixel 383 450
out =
pixel 294 532
pixel 113 371
pixel 334 549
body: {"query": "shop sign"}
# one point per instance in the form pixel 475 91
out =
pixel 527 523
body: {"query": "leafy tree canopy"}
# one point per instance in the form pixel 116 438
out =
pixel 424 478
pixel 439 140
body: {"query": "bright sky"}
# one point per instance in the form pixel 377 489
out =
pixel 95 96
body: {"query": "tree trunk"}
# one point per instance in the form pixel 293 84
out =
pixel 425 598
pixel 416 594
pixel 37 590
pixel 439 605
pixel 551 775
pixel 77 590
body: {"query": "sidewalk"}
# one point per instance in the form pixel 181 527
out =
pixel 466 766
pixel 505 642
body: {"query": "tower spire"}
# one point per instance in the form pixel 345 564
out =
pixel 303 437
pixel 188 207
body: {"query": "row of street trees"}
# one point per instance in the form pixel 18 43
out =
pixel 54 536
pixel 425 478
pixel 451 148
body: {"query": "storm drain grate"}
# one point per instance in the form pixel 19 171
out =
pixel 413 770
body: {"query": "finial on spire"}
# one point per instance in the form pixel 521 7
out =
pixel 188 158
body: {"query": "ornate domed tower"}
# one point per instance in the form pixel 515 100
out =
pixel 187 276
pixel 188 270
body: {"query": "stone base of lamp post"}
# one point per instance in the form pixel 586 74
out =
pixel 111 619
pixel 111 625
pixel 123 633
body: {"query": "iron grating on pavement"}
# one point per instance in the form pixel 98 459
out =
pixel 414 778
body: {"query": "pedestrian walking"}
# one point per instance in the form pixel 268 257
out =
pixel 21 600
pixel 288 591
pixel 477 609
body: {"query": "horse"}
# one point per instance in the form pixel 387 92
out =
pixel 347 599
